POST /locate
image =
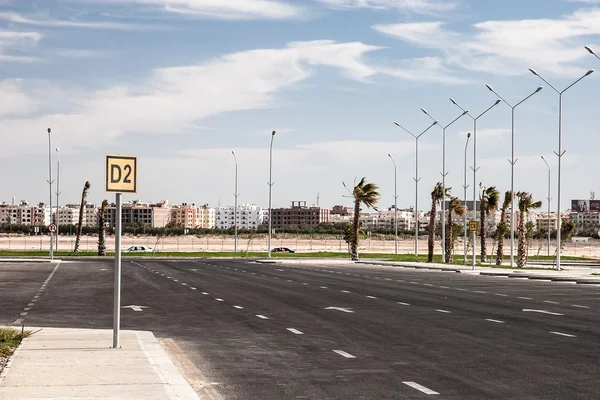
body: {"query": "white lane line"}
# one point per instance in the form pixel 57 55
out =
pixel 444 287
pixel 218 299
pixel 276 277
pixel 323 287
pixel 443 311
pixel 204 293
pixel 415 283
pixel 388 279
pixel 304 283
pixel 462 290
pixel 371 297
pixel 541 311
pixel 184 284
pixel 168 277
pixel 428 284
pixel 238 307
pixel 524 298
pixel 480 291
pixel 344 354
pixel 253 273
pixel 551 302
pixel 563 334
pixel 501 294
pixel 289 280
pixel 404 304
pixel 175 280
pixel 235 269
pixel 345 291
pixel 295 331
pixel 193 288
pixel 420 388
pixel 494 320
pixel 399 280
pixel 578 306
pixel 261 316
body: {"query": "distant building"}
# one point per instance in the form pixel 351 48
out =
pixel 299 214
pixel 24 214
pixel 67 215
pixel 249 216
pixel 342 211
pixel 384 219
pixel 156 215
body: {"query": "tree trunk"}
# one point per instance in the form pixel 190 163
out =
pixel 500 251
pixel 355 230
pixel 449 242
pixel 81 215
pixel 101 235
pixel 521 249
pixel 431 238
pixel 482 232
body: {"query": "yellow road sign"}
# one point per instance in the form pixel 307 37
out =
pixel 121 174
pixel 473 225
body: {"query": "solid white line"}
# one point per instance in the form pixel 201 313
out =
pixel 444 311
pixel 344 354
pixel 238 307
pixel 578 306
pixel 296 331
pixel 371 297
pixel 480 291
pixel 500 294
pixel 524 298
pixel 218 299
pixel 261 316
pixel 345 291
pixel 420 388
pixel 551 302
pixel 495 320
pixel 541 311
pixel 563 334
pixel 404 304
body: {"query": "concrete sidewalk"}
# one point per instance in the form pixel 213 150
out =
pixel 80 364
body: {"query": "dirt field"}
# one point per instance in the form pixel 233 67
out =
pixel 259 243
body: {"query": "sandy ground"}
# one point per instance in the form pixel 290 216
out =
pixel 259 243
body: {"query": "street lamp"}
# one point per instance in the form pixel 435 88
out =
pixel 270 187
pixel 50 182
pixel 549 198
pixel 235 195
pixel 57 215
pixel 560 152
pixel 395 206
pixel 444 173
pixel 465 186
pixel 416 178
pixel 475 169
pixel 589 49
pixel 512 162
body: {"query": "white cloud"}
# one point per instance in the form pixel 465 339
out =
pixel 417 6
pixel 507 47
pixel 53 23
pixel 426 69
pixel 13 40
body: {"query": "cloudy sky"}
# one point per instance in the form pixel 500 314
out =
pixel 182 83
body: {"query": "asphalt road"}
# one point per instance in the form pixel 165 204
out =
pixel 279 331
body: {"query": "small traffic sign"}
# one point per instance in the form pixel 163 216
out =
pixel 121 174
pixel 473 225
pixel 52 228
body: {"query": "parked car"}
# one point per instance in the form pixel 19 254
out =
pixel 139 249
pixel 282 250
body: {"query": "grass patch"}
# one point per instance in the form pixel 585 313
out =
pixel 10 339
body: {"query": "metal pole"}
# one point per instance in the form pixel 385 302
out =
pixel 474 190
pixel 416 196
pixel 395 207
pixel 117 288
pixel 548 198
pixel 465 186
pixel 559 154
pixel 235 242
pixel 50 181
pixel 57 218
pixel 512 190
pixel 270 187
pixel 443 220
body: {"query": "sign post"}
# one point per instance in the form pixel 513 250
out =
pixel 121 177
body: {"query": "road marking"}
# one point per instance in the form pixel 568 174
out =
pixel 429 284
pixel 578 306
pixel 371 297
pixel 323 287
pixel 444 287
pixel 218 299
pixel 399 280
pixel 235 269
pixel 193 288
pixel 524 298
pixel 344 354
pixel 415 283
pixel 261 316
pixel 462 290
pixel 404 304
pixel 342 309
pixel 27 309
pixel 444 311
pixel 168 277
pixel 551 302
pixel 175 280
pixel 501 294
pixel 563 334
pixel 289 280
pixel 304 283
pixel 420 388
pixel 388 279
pixel 184 284
pixel 541 311
pixel 253 273
pixel 295 331
pixel 135 308
pixel 494 320
pixel 480 291
pixel 276 277
pixel 238 307
pixel 23 313
pixel 30 304
pixel 345 291
pixel 204 293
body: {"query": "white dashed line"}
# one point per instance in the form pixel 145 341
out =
pixel 563 334
pixel 371 297
pixel 304 283
pixel 295 331
pixel 414 283
pixel 501 294
pixel 344 354
pixel 323 287
pixel 261 316
pixel 462 290
pixel 345 291
pixel 184 284
pixel 193 288
pixel 495 320
pixel 218 299
pixel 420 388
pixel 280 270
pixel 578 306
pixel 524 298
pixel 399 280
pixel 275 277
pixel 443 311
pixel 289 280
pixel 238 307
pixel 444 287
pixel 175 280
pixel 480 291
pixel 404 304
pixel 388 279
pixel 551 302
pixel 428 284
pixel 204 293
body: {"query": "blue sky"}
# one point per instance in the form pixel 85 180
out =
pixel 182 83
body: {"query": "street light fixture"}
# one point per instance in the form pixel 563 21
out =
pixel 271 183
pixel 50 182
pixel 512 162
pixel 417 179
pixel 549 198
pixel 235 195
pixel 560 151
pixel 395 206
pixel 474 168
pixel 444 173
pixel 589 49
pixel 465 186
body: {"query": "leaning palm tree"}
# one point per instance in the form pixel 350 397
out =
pixel 101 223
pixel 489 202
pixel 86 187
pixel 437 195
pixel 526 204
pixel 454 206
pixel 363 193
pixel 502 227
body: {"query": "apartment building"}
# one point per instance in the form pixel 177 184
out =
pixel 67 215
pixel 249 216
pixel 384 219
pixel 585 221
pixel 24 214
pixel 299 214
pixel 185 215
pixel 545 223
pixel 206 217
pixel 156 215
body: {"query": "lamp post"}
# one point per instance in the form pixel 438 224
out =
pixel 50 181
pixel 270 187
pixel 395 206
pixel 444 173
pixel 560 153
pixel 235 195
pixel 465 186
pixel 57 215
pixel 512 162
pixel 549 198
pixel 589 49
pixel 475 169
pixel 416 178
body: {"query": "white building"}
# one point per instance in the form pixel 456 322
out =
pixel 24 214
pixel 248 216
pixel 68 215
pixel 384 219
pixel 90 215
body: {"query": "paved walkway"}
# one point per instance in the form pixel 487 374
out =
pixel 80 364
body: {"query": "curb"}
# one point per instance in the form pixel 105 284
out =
pixel 10 360
pixel 29 260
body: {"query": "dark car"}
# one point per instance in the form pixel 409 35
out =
pixel 282 250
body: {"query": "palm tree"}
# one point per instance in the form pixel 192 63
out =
pixel 454 206
pixel 436 196
pixel 526 204
pixel 86 187
pixel 489 202
pixel 101 223
pixel 363 193
pixel 502 227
